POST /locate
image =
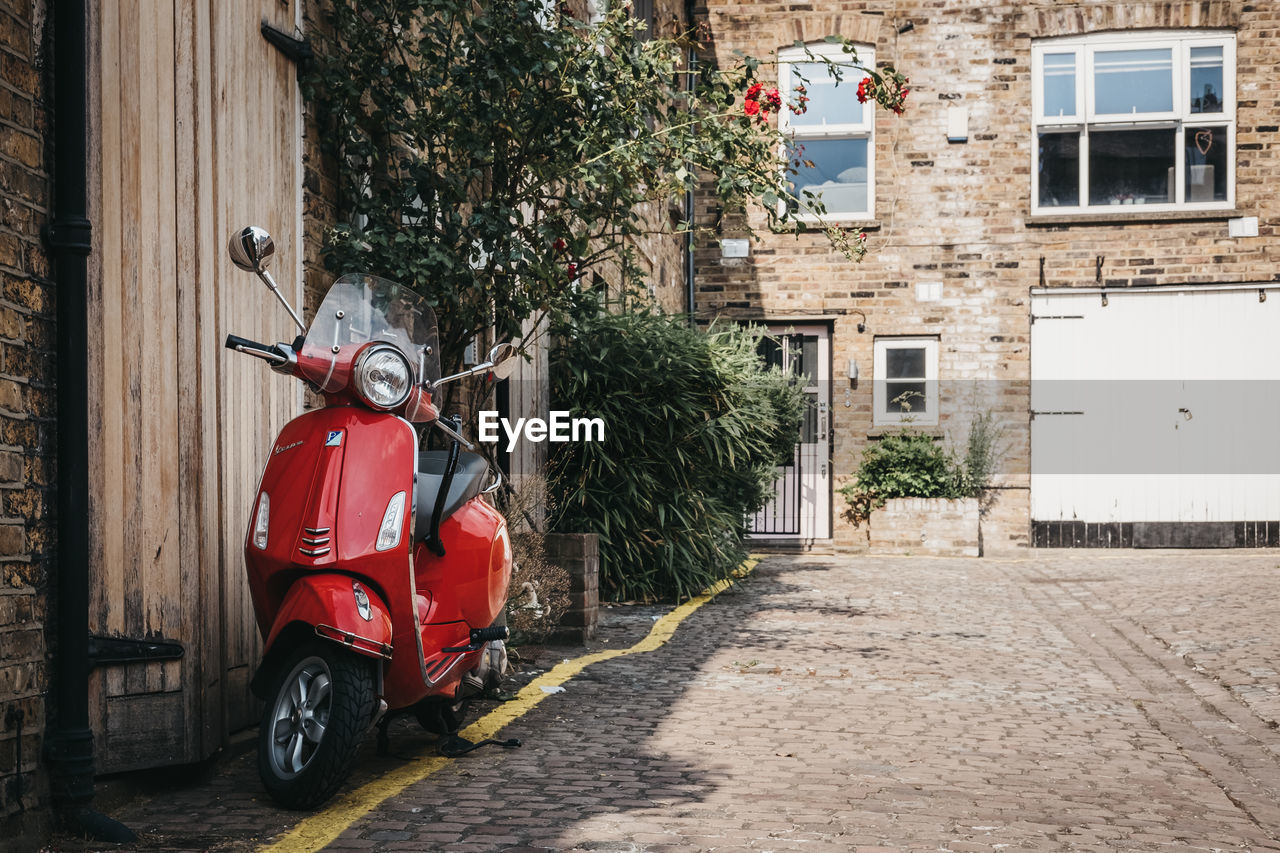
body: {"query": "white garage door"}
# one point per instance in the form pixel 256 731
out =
pixel 1156 405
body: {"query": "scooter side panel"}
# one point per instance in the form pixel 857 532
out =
pixel 476 567
pixel 327 601
pixel 299 463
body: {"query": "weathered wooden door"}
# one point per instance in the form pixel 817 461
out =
pixel 197 129
pixel 1158 407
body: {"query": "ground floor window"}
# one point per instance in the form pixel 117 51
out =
pixel 906 380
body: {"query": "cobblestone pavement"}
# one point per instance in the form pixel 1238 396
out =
pixel 1068 701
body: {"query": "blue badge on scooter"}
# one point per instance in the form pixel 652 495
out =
pixel 334 439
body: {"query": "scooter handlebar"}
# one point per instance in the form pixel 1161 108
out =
pixel 266 352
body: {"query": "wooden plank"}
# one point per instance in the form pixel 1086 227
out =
pixel 227 64
pixel 94 356
pixel 199 512
pixel 157 347
pixel 248 87
pixel 106 522
pixel 144 731
pixel 137 251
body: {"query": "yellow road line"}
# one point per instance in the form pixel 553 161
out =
pixel 320 829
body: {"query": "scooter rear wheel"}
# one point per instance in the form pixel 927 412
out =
pixel 444 717
pixel 320 707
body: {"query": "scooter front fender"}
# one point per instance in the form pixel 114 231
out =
pixel 328 604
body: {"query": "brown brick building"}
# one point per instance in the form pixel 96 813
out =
pixel 26 405
pixel 1107 167
pixel 999 195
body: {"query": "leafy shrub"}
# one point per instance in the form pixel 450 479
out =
pixel 695 425
pixel 909 464
pixel 983 452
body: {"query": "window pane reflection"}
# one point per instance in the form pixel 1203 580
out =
pixel 1133 81
pixel 828 103
pixel 1205 152
pixel 838 175
pixel 1206 79
pixel 1060 84
pixel 1059 169
pixel 905 397
pixel 904 363
pixel 1131 167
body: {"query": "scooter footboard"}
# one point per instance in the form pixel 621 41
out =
pixel 444 656
pixel 339 608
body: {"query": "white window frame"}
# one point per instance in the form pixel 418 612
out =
pixel 864 129
pixel 1180 118
pixel 880 398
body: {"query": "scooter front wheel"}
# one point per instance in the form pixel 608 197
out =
pixel 320 707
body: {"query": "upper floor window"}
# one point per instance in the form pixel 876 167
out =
pixel 836 134
pixel 1134 118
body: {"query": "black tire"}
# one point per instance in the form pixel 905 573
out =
pixel 441 717
pixel 309 736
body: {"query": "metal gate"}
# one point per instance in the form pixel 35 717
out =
pixel 781 515
pixel 801 505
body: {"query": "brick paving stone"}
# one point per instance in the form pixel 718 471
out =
pixel 1064 701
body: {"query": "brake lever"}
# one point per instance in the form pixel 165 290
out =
pixel 454 434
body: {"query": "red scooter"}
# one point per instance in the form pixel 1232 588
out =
pixel 378 572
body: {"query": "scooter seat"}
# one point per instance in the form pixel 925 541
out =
pixel 467 482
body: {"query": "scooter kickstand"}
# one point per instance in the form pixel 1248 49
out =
pixel 452 746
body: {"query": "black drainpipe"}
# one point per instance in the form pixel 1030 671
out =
pixel 69 746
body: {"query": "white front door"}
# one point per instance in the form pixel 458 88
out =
pixel 1157 406
pixel 801 505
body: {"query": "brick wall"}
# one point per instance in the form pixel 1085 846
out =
pixel 661 254
pixel 579 555
pixel 933 526
pixel 319 179
pixel 959 214
pixel 26 408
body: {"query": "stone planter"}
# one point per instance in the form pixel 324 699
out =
pixel 579 555
pixel 927 526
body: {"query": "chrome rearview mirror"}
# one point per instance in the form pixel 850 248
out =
pixel 501 363
pixel 503 359
pixel 251 249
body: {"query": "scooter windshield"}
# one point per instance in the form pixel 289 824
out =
pixel 361 308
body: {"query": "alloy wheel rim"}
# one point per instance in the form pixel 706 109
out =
pixel 301 716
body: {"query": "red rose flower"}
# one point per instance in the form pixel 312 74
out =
pixel 573 271
pixel 751 107
pixel 865 90
pixel 754 91
pixel 559 244
pixel 774 99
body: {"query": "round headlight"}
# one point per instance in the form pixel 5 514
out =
pixel 382 377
